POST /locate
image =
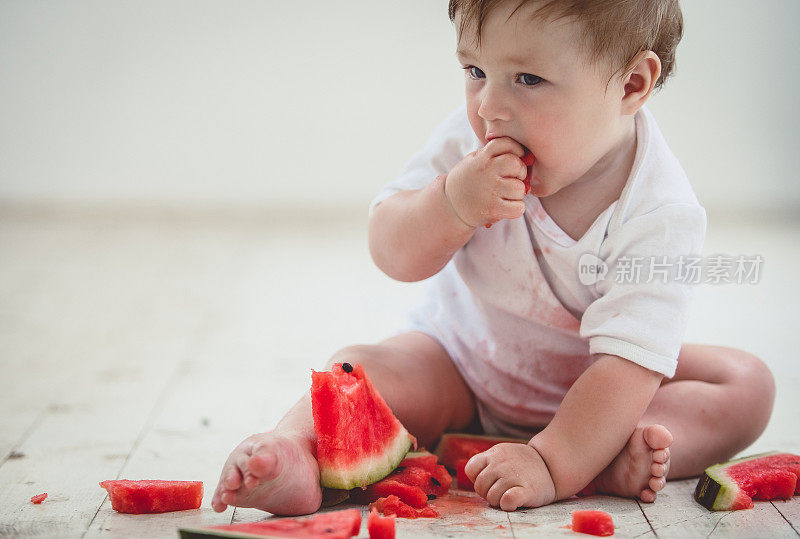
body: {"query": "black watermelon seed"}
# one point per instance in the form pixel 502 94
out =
pixel 346 367
pixel 431 496
pixel 436 482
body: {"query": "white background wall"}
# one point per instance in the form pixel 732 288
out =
pixel 265 103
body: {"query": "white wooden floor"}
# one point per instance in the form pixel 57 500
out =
pixel 148 347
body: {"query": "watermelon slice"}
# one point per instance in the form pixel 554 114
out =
pixel 153 496
pixel 416 480
pixel 359 440
pixel 592 522
pixel 392 505
pixel 380 527
pixel 735 484
pixel 333 525
pixel 455 446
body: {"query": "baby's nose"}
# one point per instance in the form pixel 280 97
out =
pixel 494 105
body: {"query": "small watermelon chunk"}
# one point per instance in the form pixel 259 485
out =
pixel 455 446
pixel 417 479
pixel 464 482
pixel 380 527
pixel 359 440
pixel 334 525
pixel 39 498
pixel 153 496
pixel 592 522
pixel 733 485
pixel 409 494
pixel 392 505
pixel 528 159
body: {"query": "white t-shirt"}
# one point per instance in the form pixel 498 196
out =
pixel 512 308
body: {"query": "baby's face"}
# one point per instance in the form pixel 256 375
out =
pixel 531 81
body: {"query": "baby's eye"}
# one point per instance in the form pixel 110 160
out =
pixel 530 80
pixel 474 72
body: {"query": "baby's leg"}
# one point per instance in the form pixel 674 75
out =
pixel 717 404
pixel 277 471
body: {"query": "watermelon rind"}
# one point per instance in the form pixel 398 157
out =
pixel 715 490
pixel 201 533
pixel 371 469
pixel 346 523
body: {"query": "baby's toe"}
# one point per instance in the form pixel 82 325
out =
pixel 250 481
pixel 263 465
pixel 647 496
pixel 657 436
pixel 216 502
pixel 232 478
pixel 661 455
pixel 656 483
pixel 658 469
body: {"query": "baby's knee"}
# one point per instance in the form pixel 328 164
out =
pixel 754 374
pixel 754 390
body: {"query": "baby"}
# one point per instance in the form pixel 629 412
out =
pixel 524 330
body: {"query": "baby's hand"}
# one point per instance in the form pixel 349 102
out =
pixel 511 475
pixel 488 184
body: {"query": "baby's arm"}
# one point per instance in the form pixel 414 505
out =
pixel 594 421
pixel 414 234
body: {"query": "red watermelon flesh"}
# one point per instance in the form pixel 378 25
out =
pixel 735 484
pixel 153 496
pixel 392 505
pixel 409 494
pixel 464 482
pixel 39 498
pixel 380 527
pixel 417 479
pixel 333 525
pixel 529 160
pixel 359 440
pixel 455 446
pixel 592 522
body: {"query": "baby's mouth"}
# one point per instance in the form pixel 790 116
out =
pixel 529 160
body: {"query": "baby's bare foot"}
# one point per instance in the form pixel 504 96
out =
pixel 275 473
pixel 640 470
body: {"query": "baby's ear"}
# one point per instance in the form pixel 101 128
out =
pixel 642 75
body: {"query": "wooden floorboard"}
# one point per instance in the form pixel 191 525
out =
pixel 149 350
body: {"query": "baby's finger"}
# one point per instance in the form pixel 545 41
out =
pixel 512 499
pixel 474 466
pixel 511 189
pixel 509 166
pixel 496 492
pixel 511 209
pixel 484 481
pixel 499 146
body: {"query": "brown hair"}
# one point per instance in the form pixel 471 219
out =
pixel 614 31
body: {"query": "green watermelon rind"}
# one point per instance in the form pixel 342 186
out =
pixel 369 469
pixel 201 533
pixel 715 490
